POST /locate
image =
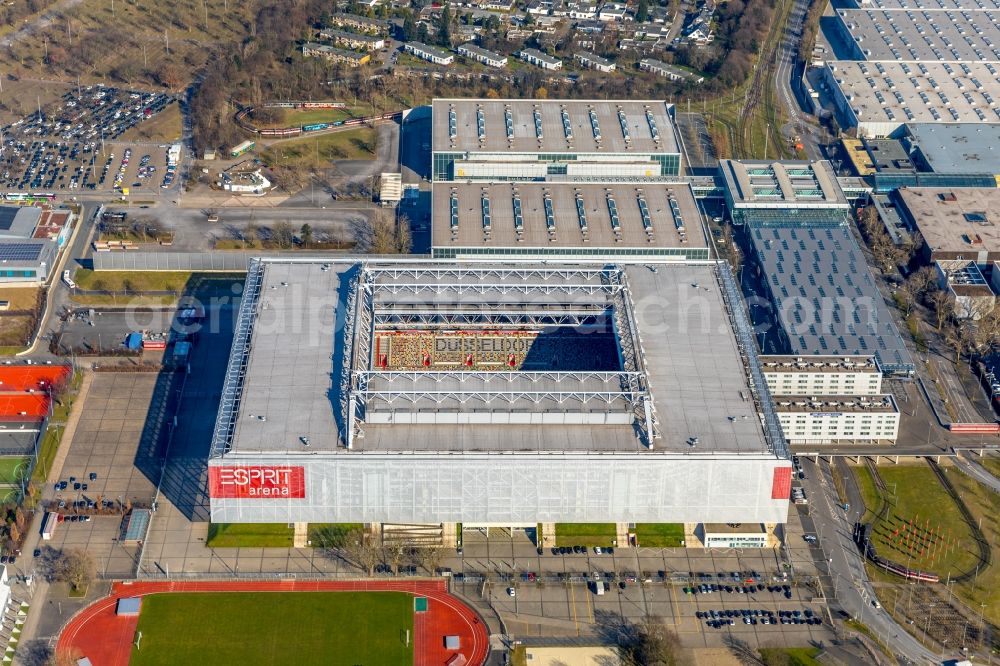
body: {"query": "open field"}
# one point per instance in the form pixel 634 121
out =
pixel 165 126
pixel 318 151
pixel 923 527
pixel 805 656
pixel 585 534
pixel 131 280
pixel 21 97
pixel 12 468
pixel 990 462
pixel 982 592
pixel 293 117
pixel 276 628
pixel 660 535
pixel 128 41
pixel 14 331
pixel 20 298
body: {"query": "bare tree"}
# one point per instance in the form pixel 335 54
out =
pixel 76 567
pixel 395 552
pixel 744 654
pixel 283 235
pixel 943 306
pixel 363 550
pixel 652 644
pixel 905 298
pixel 403 239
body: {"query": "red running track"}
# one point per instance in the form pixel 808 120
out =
pixel 106 639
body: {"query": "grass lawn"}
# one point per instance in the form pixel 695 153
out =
pixel 251 628
pixel 353 144
pixel 164 126
pixel 134 280
pixel 585 534
pixel 984 505
pixel 12 468
pixel 15 332
pixel 939 541
pixel 20 298
pixel 328 535
pixel 47 453
pixel 660 535
pixel 991 463
pixel 9 494
pixel 293 117
pixel 803 656
pixel 249 535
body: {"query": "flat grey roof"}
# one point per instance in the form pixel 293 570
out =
pixel 553 138
pixel 900 92
pixel 819 364
pixel 826 298
pixel 478 50
pixel 888 156
pixel 694 369
pixel 958 147
pixel 931 4
pixel 943 223
pixel 568 229
pixel 880 404
pixel 18 221
pixel 757 183
pixel 917 35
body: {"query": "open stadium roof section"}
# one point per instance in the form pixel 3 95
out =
pixel 553 126
pixel 923 35
pixel 425 356
pixel 519 219
pixel 788 184
pixel 826 299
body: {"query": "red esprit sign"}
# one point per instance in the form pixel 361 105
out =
pixel 781 483
pixel 257 482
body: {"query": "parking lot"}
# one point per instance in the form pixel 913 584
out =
pixel 71 144
pixel 102 453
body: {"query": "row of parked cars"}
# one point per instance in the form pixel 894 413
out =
pixel 582 550
pixel 724 618
pixel 709 588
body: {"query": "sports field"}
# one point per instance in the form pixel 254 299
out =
pixel 13 468
pixel 269 628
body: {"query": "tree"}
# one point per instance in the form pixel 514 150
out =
pixel 306 234
pixel 403 241
pixel 642 11
pixel 409 30
pixel 76 567
pixel 651 644
pixel 943 308
pixel 395 551
pixel 360 548
pixel 283 235
pixel 444 27
pixel 744 654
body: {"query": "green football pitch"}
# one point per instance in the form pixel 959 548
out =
pixel 271 628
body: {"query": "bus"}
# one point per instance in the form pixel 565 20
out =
pixel 68 280
pixel 49 526
pixel 242 148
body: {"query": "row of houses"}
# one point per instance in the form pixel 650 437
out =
pixel 335 55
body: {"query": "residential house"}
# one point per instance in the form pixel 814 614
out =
pixel 594 61
pixel 539 59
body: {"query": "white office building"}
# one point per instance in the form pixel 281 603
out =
pixel 838 419
pixel 822 375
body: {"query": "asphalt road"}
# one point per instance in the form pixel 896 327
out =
pixel 846 567
pixel 799 121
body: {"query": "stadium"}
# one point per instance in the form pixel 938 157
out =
pixel 494 394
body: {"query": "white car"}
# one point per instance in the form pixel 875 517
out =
pixel 511 592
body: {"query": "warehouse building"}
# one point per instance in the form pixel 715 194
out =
pixel 507 139
pixel 922 34
pixel 955 223
pixel 972 296
pixel 494 394
pixel 822 375
pixel 525 220
pixel 29 242
pixel 878 98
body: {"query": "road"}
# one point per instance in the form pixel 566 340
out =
pixel 846 567
pixel 966 462
pixel 799 123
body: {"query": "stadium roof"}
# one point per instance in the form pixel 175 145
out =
pixel 565 215
pixel 553 126
pixel 957 147
pixel 924 35
pixel 954 220
pixel 789 184
pixel 826 299
pixel 303 351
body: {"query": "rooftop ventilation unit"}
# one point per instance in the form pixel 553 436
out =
pixel 581 213
pixel 594 126
pixel 538 124
pixel 651 121
pixel 518 216
pixel 481 124
pixel 487 221
pixel 616 224
pixel 647 221
pixel 508 121
pixel 452 123
pixel 454 213
pixel 623 121
pixel 567 126
pixel 550 218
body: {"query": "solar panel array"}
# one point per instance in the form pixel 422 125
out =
pixel 20 251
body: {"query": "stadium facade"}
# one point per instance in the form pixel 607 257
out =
pixel 434 392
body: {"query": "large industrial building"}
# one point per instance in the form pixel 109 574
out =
pixel 507 139
pixel 955 222
pixel 505 394
pixel 823 300
pixel 30 239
